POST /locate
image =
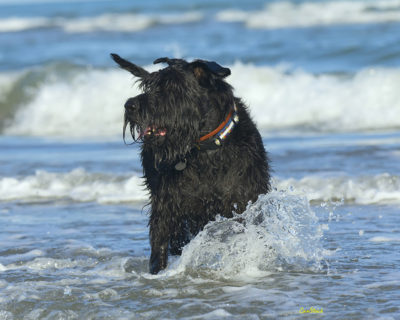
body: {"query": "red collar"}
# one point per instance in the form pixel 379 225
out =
pixel 214 139
pixel 223 130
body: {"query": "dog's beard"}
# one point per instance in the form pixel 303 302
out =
pixel 133 129
pixel 141 132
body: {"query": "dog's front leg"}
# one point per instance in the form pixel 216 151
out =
pixel 159 239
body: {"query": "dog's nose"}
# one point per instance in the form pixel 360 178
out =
pixel 129 104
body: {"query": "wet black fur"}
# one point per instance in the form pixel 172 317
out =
pixel 189 100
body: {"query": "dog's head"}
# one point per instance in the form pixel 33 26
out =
pixel 179 104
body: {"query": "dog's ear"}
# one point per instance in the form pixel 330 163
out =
pixel 128 66
pixel 168 61
pixel 202 67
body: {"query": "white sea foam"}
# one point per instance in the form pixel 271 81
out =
pixel 90 103
pixel 113 267
pixel 71 274
pixel 385 239
pixel 19 24
pixel 367 100
pixel 280 14
pixel 23 2
pixel 125 22
pixel 285 14
pixel 44 263
pixel 278 232
pixel 77 185
pixel 81 186
pixel 382 188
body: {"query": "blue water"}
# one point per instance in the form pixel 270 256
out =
pixel 320 48
pixel 321 80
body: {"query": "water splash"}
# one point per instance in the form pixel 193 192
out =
pixel 279 232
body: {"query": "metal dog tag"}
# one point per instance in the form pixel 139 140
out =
pixel 181 165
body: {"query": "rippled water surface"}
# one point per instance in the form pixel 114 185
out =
pixel 79 247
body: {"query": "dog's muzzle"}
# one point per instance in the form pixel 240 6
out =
pixel 140 132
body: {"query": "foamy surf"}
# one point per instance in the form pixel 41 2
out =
pixel 80 185
pixel 111 22
pixel 282 14
pixel 285 14
pixel 89 102
pixel 379 189
pixel 77 185
pixel 84 103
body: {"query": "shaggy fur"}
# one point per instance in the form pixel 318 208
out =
pixel 180 104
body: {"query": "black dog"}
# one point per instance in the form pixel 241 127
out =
pixel 202 155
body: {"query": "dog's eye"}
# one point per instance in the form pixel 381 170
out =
pixel 130 104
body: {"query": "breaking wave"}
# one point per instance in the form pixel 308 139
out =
pixel 120 22
pixel 79 185
pixel 285 14
pixel 279 14
pixel 76 102
pixel 382 188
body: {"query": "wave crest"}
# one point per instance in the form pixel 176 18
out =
pixel 79 185
pixel 285 14
pixel 88 102
pixel 120 22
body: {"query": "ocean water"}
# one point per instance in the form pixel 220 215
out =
pixel 322 82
